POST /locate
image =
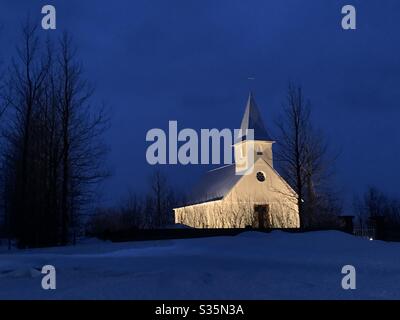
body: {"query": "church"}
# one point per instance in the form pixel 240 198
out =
pixel 261 199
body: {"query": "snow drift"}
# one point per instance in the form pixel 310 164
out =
pixel 251 265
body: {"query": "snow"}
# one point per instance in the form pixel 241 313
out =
pixel 252 265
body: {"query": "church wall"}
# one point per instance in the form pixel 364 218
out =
pixel 230 214
pixel 236 210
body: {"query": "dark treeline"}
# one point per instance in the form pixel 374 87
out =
pixel 152 210
pixel 376 204
pixel 52 150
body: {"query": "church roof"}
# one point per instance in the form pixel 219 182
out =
pixel 214 185
pixel 252 120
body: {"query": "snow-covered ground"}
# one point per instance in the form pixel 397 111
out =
pixel 251 265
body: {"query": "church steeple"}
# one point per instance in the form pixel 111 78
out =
pixel 252 120
pixel 261 145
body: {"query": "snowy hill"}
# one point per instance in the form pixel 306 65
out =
pixel 251 265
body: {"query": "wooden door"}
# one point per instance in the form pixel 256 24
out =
pixel 261 216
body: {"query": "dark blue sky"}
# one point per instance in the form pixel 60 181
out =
pixel 154 60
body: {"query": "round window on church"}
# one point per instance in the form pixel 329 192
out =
pixel 260 176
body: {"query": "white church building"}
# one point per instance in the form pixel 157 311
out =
pixel 261 199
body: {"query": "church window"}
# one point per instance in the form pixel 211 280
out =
pixel 260 176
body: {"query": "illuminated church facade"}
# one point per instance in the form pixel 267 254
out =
pixel 261 199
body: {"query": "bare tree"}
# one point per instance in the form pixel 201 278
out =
pixel 160 201
pixel 302 154
pixel 54 155
pixel 82 151
pixel 133 208
pixel 3 107
pixel 22 91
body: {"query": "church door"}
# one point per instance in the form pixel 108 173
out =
pixel 261 216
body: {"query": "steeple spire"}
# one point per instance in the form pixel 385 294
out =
pixel 252 120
